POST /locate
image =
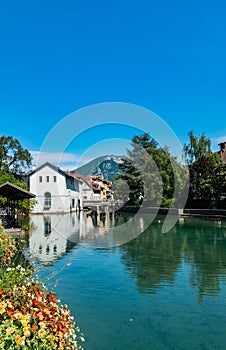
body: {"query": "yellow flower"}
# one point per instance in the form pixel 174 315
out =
pixel 41 332
pixel 19 340
pixel 3 304
pixel 18 315
pixel 42 324
pixel 47 312
pixel 40 316
pixel 24 317
pixel 26 331
pixel 10 330
pixel 24 323
pixel 2 310
pixel 9 304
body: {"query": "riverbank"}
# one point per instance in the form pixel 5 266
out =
pixel 214 214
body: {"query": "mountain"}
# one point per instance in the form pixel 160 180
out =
pixel 107 166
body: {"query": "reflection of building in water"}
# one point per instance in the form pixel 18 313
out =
pixel 53 235
pixel 95 226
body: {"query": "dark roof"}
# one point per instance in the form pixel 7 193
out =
pixel 54 167
pixel 82 177
pixel 14 192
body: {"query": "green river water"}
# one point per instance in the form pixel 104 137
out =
pixel 161 291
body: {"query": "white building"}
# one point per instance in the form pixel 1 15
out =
pixel 56 191
pixel 87 190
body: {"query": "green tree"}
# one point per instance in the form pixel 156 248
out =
pixel 202 188
pixel 207 174
pixel 14 159
pixel 120 189
pixel 197 147
pixel 151 172
pixel 132 176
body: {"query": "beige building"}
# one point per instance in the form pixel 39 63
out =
pixel 222 151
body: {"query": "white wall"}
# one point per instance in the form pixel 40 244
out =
pixel 61 197
pixel 87 191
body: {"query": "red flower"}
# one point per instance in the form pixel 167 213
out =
pixel 10 311
pixel 33 328
pixel 35 302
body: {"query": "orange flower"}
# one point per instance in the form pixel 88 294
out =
pixel 19 340
pixel 53 298
pixel 2 291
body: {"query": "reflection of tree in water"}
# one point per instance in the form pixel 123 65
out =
pixel 205 252
pixel 154 258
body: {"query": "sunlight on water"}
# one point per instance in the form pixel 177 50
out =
pixel 158 291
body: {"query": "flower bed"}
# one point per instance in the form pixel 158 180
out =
pixel 30 315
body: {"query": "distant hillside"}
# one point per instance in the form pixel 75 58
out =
pixel 107 166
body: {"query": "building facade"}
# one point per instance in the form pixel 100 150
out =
pixel 87 190
pixel 222 152
pixel 102 188
pixel 56 191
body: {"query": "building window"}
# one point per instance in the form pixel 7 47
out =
pixel 54 179
pixel 47 226
pixel 40 178
pixel 47 178
pixel 47 200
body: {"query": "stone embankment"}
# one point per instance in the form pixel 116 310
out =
pixel 204 213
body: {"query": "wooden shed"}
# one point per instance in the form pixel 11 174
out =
pixel 13 194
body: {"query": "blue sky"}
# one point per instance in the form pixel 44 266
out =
pixel 61 56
